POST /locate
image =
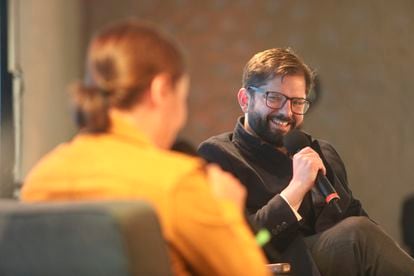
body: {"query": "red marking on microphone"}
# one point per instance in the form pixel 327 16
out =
pixel 331 196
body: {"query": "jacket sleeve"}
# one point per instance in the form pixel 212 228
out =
pixel 211 233
pixel 279 219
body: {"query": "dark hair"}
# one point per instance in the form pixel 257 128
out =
pixel 122 61
pixel 270 63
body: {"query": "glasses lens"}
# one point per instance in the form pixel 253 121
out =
pixel 300 106
pixel 275 100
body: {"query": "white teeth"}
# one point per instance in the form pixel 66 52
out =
pixel 280 123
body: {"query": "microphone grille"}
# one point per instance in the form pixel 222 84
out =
pixel 295 140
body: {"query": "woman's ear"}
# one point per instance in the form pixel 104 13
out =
pixel 243 98
pixel 160 88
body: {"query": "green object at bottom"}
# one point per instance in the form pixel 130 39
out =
pixel 263 237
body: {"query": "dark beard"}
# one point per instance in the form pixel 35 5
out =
pixel 262 129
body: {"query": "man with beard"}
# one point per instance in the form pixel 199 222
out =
pixel 310 234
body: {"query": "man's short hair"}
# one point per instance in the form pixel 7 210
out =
pixel 266 65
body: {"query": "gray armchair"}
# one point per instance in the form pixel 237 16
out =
pixel 87 238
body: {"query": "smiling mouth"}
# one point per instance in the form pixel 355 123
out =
pixel 280 123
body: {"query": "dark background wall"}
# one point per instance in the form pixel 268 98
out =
pixel 361 49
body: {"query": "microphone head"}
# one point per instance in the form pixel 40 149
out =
pixel 295 140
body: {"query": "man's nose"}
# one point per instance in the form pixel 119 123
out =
pixel 286 108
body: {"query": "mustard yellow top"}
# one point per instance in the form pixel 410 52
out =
pixel 206 234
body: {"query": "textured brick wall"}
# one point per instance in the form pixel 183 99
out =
pixel 362 49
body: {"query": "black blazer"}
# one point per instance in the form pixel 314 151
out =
pixel 265 172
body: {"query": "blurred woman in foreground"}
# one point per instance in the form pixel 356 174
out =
pixel 129 114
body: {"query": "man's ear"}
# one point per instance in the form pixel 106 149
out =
pixel 160 88
pixel 243 98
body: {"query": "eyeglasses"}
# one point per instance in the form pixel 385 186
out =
pixel 276 100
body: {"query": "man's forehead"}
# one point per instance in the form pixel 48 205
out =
pixel 279 79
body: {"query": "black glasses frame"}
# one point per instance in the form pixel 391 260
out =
pixel 303 101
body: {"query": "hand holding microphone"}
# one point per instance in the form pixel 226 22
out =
pixel 297 141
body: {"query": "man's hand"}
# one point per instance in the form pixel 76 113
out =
pixel 306 164
pixel 226 186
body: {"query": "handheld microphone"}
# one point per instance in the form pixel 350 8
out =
pixel 294 141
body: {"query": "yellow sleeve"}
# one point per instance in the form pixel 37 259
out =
pixel 211 233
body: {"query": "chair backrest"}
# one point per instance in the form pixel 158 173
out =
pixel 87 238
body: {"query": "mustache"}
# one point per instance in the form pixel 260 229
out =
pixel 282 118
